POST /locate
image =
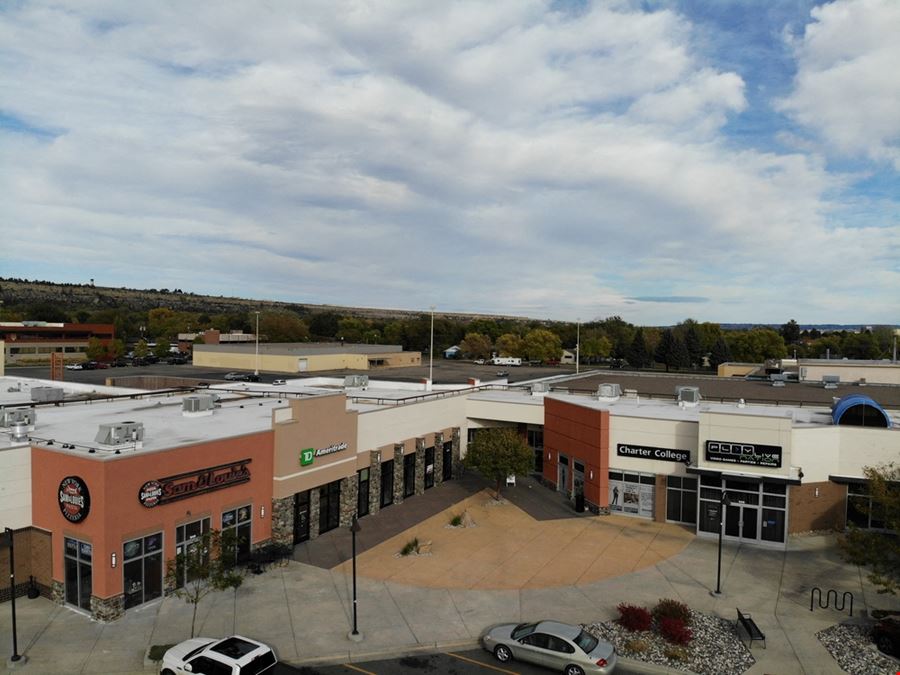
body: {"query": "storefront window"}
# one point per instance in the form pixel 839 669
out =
pixel 632 493
pixel 429 468
pixel 362 493
pixel 447 468
pixel 329 506
pixel 409 475
pixel 142 569
pixel 78 558
pixel 187 542
pixel 862 511
pixel 387 483
pixel 237 521
pixel 743 518
pixel 681 499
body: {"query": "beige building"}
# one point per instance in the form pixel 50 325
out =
pixel 303 357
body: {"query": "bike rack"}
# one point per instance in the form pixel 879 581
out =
pixel 828 603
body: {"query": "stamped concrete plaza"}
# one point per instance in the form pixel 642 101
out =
pixel 530 557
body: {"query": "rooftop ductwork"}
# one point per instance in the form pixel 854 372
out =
pixel 198 405
pixel 540 389
pixel 688 396
pixel 609 392
pixel 356 382
pixel 127 434
pixel 19 421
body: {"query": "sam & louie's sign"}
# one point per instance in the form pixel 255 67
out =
pixel 193 483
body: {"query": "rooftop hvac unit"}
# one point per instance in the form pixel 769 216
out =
pixel 831 381
pixel 609 391
pixel 631 393
pixel 17 417
pixel 688 396
pixel 539 388
pixel 777 383
pixel 196 405
pixel 356 381
pixel 121 433
pixel 47 394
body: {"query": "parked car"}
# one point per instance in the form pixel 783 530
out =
pixel 119 363
pixel 73 366
pixel 479 362
pixel 279 382
pixel 502 373
pixel 562 647
pixel 886 636
pixel 234 376
pixel 250 377
pixel 101 365
pixel 235 655
pixel 176 360
pixel 140 361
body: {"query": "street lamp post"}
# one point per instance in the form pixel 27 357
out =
pixel 724 501
pixel 12 594
pixel 577 345
pixel 431 351
pixel 354 635
pixel 256 368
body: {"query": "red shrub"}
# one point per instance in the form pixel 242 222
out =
pixel 633 617
pixel 675 631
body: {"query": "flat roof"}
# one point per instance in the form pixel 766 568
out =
pixel 301 348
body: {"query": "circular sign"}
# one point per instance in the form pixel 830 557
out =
pixel 150 493
pixel 74 499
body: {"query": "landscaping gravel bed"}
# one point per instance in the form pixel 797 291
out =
pixel 714 650
pixel 851 646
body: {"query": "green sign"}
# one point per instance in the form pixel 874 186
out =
pixel 306 456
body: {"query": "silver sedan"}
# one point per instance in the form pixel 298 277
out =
pixel 560 646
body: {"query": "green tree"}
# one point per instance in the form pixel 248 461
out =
pixel 281 326
pixel 498 453
pixel 638 356
pixel 542 344
pixel 487 327
pixel 668 352
pixel 204 566
pixel 878 550
pixel 860 346
pixel 510 344
pixel 116 348
pixel 790 332
pixel 720 353
pixel 693 344
pixel 324 325
pixel 594 345
pixel 95 349
pixel 141 349
pixel 756 345
pixel 161 350
pixel 47 311
pixel 476 345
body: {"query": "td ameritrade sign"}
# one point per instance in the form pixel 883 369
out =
pixel 649 452
pixel 307 455
pixel 193 483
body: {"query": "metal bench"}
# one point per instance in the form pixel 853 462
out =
pixel 750 626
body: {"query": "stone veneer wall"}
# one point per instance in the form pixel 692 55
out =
pixel 455 452
pixel 374 481
pixel 107 609
pixel 398 473
pixel 419 482
pixel 349 493
pixel 313 513
pixel 283 520
pixel 438 458
pixel 58 592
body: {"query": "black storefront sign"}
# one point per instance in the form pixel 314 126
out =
pixel 649 452
pixel 74 499
pixel 753 454
pixel 193 483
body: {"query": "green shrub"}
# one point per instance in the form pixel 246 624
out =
pixel 672 609
pixel 456 520
pixel 410 547
pixel 636 646
pixel 676 653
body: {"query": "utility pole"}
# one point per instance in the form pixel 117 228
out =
pixel 431 351
pixel 256 367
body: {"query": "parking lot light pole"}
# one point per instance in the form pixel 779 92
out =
pixel 577 345
pixel 12 594
pixel 354 635
pixel 431 351
pixel 256 368
pixel 724 501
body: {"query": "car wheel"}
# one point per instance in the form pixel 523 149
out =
pixel 502 654
pixel 884 644
pixel 572 669
pixel 167 672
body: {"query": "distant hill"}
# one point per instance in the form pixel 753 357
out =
pixel 86 296
pixel 822 327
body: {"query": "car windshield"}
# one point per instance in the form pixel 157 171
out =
pixel 193 651
pixel 522 630
pixel 587 642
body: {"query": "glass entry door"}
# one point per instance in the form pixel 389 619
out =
pixel 78 562
pixel 741 521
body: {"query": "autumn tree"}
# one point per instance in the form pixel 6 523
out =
pixel 95 349
pixel 141 349
pixel 498 453
pixel 594 345
pixel 756 345
pixel 510 344
pixel 877 549
pixel 282 326
pixel 476 345
pixel 542 344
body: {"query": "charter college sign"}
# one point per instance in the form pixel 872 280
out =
pixel 753 454
pixel 184 485
pixel 647 452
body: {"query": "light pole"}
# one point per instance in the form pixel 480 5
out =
pixel 12 593
pixel 354 635
pixel 256 369
pixel 431 351
pixel 724 501
pixel 577 344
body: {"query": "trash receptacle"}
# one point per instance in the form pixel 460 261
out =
pixel 579 503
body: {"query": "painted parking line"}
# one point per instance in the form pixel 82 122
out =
pixel 482 664
pixel 358 669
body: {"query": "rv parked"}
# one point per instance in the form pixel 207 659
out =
pixel 506 361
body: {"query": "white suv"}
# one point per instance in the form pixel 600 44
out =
pixel 233 655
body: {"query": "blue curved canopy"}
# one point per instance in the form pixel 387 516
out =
pixel 852 402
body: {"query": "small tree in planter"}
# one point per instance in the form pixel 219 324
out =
pixel 498 453
pixel 207 564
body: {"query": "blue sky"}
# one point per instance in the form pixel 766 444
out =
pixel 730 160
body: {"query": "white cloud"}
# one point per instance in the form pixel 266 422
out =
pixel 846 88
pixel 497 157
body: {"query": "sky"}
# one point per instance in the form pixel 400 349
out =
pixel 727 161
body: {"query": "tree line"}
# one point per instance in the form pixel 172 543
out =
pixel 688 345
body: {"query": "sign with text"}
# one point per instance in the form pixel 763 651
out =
pixel 752 454
pixel 193 483
pixel 74 499
pixel 307 455
pixel 648 452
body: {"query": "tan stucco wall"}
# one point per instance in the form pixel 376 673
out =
pixel 15 487
pixel 848 372
pixel 735 369
pixel 527 411
pixel 671 434
pixel 746 428
pixel 280 363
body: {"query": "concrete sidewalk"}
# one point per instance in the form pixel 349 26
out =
pixel 304 611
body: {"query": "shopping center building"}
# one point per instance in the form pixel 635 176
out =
pixel 104 486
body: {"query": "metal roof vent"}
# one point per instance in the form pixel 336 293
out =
pixel 688 396
pixel 47 394
pixel 19 421
pixel 609 392
pixel 356 382
pixel 198 405
pixel 121 434
pixel 539 389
